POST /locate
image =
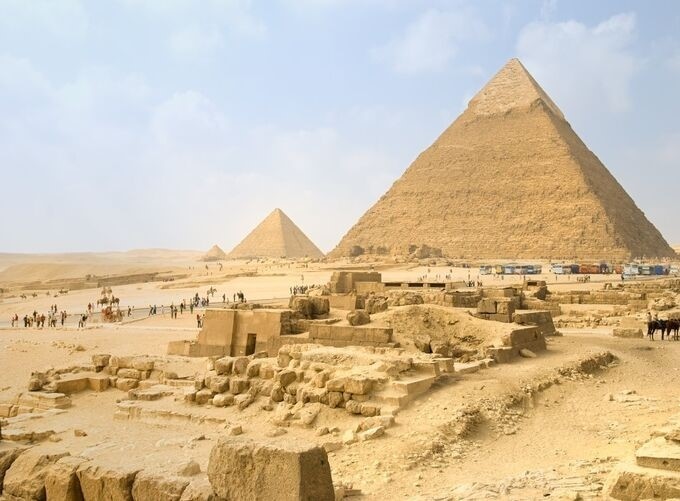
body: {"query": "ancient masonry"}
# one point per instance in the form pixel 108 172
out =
pixel 214 254
pixel 508 179
pixel 276 236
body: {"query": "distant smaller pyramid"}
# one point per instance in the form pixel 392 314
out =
pixel 214 254
pixel 276 236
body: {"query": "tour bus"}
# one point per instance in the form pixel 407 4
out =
pixel 557 269
pixel 631 269
pixel 485 270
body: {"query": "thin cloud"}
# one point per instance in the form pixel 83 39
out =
pixel 583 68
pixel 432 41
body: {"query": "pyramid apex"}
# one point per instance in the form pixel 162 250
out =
pixel 512 87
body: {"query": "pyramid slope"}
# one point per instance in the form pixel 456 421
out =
pixel 276 236
pixel 508 179
pixel 214 254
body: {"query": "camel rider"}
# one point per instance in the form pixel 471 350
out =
pixel 649 317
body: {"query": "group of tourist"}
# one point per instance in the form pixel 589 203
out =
pixel 301 289
pixel 39 319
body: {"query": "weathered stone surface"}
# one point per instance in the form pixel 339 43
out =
pixel 200 490
pixel 100 482
pixel 371 433
pixel 62 482
pixel 224 365
pixel 240 365
pixel 142 364
pixel 129 373
pixel 155 486
pixel 253 369
pixel 286 377
pixel 223 399
pixel 336 384
pixel 629 482
pixel 359 385
pixel 8 453
pixel 126 384
pixel 423 343
pixel 284 470
pixel 526 353
pixel 659 453
pixel 358 317
pixel 101 359
pixel 219 384
pixel 243 400
pixel 25 478
pixel 627 332
pixel 238 385
pixel 202 396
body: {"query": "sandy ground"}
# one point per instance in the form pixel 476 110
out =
pixel 567 431
pixel 566 438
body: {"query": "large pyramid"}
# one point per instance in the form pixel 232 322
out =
pixel 276 236
pixel 508 179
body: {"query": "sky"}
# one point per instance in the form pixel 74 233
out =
pixel 132 124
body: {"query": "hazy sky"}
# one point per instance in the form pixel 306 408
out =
pixel 180 124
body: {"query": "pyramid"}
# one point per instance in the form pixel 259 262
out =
pixel 508 179
pixel 214 254
pixel 276 236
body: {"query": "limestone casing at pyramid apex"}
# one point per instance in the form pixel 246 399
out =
pixel 512 87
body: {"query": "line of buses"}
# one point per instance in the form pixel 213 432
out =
pixel 581 269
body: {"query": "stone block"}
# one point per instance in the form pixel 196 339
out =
pixel 121 362
pixel 25 478
pixel 129 373
pixel 142 364
pixel 98 382
pixel 101 359
pixel 284 470
pixel 267 371
pixel 126 384
pixel 659 453
pixel 223 399
pixel 359 385
pixel 224 365
pixel 627 332
pixel 202 396
pixel 286 377
pixel 8 453
pixel 630 482
pixel 238 385
pixel 62 482
pixel 241 365
pixel 487 305
pixel 336 384
pixel 100 482
pixel 156 486
pixel 199 489
pixel 253 369
pixel 219 384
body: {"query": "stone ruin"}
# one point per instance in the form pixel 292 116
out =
pixel 655 471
